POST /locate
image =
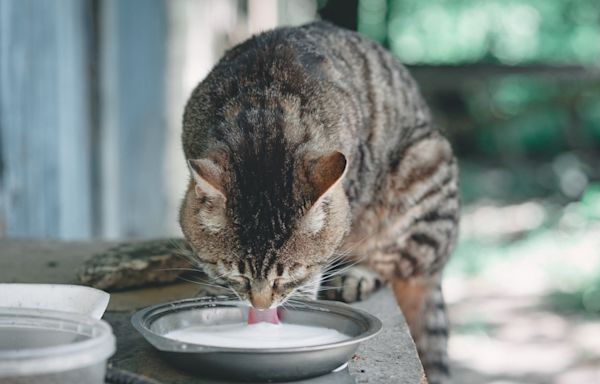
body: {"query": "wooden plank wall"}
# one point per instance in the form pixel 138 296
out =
pixel 82 156
pixel 45 169
pixel 133 117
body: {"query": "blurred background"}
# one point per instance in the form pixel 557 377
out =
pixel 92 94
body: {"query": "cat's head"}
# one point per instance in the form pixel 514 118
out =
pixel 265 225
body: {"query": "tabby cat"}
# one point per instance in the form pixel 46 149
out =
pixel 312 142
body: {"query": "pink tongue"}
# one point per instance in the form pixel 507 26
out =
pixel 266 315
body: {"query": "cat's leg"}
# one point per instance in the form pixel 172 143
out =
pixel 413 268
pixel 351 284
pixel 421 226
pixel 413 265
pixel 423 307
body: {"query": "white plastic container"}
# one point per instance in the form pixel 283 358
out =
pixel 52 347
pixel 64 297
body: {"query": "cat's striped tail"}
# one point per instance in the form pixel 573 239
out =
pixel 433 341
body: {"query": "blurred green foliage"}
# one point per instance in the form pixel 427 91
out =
pixel 501 117
pixel 468 31
pixel 578 286
pixel 522 116
pixel 562 249
pixel 510 111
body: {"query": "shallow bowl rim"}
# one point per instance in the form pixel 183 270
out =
pixel 140 320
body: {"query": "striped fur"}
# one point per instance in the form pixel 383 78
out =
pixel 314 141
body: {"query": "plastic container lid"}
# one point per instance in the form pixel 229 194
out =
pixel 68 297
pixel 35 341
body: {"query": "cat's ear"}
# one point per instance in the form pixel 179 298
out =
pixel 325 173
pixel 208 177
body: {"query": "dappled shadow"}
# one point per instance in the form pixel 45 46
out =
pixel 516 340
pixel 526 309
pixel 501 336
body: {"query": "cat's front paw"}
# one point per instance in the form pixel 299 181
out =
pixel 355 284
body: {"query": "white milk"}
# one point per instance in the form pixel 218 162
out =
pixel 258 336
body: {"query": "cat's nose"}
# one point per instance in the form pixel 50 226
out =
pixel 261 301
pixel 261 295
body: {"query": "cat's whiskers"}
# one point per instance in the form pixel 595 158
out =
pixel 299 301
pixel 340 268
pixel 236 294
pixel 297 292
pixel 182 252
pixel 286 303
pixel 328 288
pixel 180 269
pixel 343 269
pixel 201 283
pixel 211 280
pixel 341 254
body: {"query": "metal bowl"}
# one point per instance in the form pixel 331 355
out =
pixel 242 364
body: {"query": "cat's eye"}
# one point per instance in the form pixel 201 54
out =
pixel 240 278
pixel 275 283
